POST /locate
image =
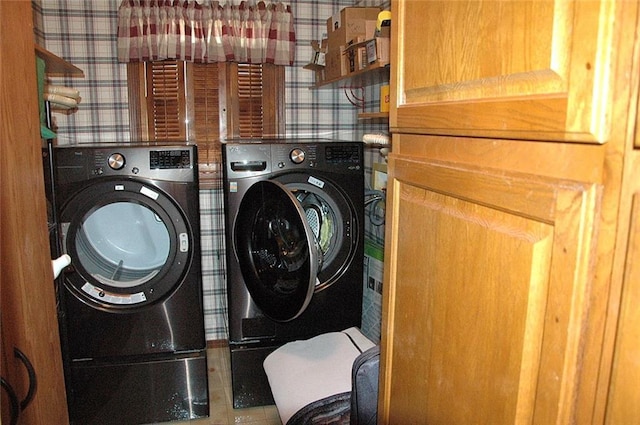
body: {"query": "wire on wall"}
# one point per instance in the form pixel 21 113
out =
pixel 375 203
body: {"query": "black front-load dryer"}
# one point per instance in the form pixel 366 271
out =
pixel 294 235
pixel 131 315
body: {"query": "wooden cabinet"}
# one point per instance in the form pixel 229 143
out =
pixel 623 406
pixel 489 279
pixel 538 70
pixel 622 402
pixel 507 241
pixel 28 315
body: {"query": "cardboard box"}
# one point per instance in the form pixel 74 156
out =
pixel 342 36
pixel 383 46
pixel 356 54
pixel 378 48
pixel 335 64
pixel 352 17
pixel 317 62
pixel 318 51
pixel 363 54
pixel 349 23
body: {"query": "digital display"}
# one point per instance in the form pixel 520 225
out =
pixel 167 159
pixel 343 154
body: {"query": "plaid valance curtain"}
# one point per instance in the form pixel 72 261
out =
pixel 153 30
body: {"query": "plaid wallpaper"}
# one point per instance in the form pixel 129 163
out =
pixel 84 33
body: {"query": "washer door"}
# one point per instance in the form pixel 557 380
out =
pixel 332 218
pixel 129 242
pixel 277 250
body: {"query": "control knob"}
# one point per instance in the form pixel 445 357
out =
pixel 116 161
pixel 297 156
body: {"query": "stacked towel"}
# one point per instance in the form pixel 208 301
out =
pixel 61 96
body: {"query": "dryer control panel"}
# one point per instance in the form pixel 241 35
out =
pixel 168 159
pixel 163 163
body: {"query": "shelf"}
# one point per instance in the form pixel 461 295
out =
pixel 373 74
pixel 373 116
pixel 313 67
pixel 56 66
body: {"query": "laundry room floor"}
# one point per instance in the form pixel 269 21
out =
pixel 221 411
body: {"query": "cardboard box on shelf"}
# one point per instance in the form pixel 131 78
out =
pixel 318 52
pixel 356 54
pixel 317 62
pixel 378 48
pixel 349 23
pixel 383 44
pixel 364 54
pixel 343 36
pixel 352 17
pixel 335 64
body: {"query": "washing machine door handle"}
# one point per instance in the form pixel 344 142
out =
pixel 277 250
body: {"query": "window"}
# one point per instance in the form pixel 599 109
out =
pixel 204 104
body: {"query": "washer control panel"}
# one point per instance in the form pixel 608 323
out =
pixel 250 159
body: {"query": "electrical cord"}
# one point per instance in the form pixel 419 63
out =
pixel 377 202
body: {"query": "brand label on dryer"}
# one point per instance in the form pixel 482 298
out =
pixel 316 182
pixel 110 297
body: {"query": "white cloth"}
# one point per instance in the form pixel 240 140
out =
pixel 59 100
pixel 301 372
pixel 62 91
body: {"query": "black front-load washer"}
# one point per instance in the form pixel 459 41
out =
pixel 294 233
pixel 131 314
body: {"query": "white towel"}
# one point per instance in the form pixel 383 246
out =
pixel 59 100
pixel 302 372
pixel 62 91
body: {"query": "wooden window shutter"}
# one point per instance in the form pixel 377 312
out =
pixel 166 100
pixel 205 88
pixel 256 100
pixel 250 95
pixel 205 103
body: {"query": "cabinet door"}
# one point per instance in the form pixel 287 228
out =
pixel 487 280
pixel 28 304
pixel 623 406
pixel 537 70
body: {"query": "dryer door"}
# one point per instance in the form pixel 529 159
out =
pixel 277 251
pixel 129 242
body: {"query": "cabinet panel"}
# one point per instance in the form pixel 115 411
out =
pixel 623 407
pixel 28 305
pixel 486 294
pixel 537 70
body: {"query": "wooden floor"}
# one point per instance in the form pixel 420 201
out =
pixel 221 411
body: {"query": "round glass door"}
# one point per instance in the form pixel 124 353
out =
pixel 129 244
pixel 277 250
pixel 123 244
